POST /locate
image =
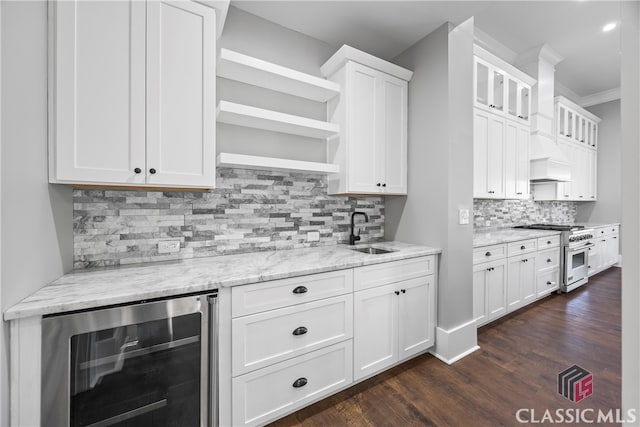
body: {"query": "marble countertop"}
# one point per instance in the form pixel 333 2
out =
pixel 507 235
pixel 86 289
pixel 597 224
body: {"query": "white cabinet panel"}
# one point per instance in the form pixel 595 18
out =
pixel 416 316
pixel 180 93
pixel 263 395
pixel 266 338
pixel 372 147
pixel 375 330
pixel 497 290
pixel 488 152
pixel 97 91
pixel 132 92
pixel 521 281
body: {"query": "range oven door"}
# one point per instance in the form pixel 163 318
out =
pixel 145 364
pixel 576 267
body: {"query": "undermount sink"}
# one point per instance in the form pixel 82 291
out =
pixel 373 251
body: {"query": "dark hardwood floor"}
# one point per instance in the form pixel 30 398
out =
pixel 516 367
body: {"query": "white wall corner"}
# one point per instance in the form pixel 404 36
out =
pixel 456 343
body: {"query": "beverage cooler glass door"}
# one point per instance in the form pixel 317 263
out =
pixel 140 365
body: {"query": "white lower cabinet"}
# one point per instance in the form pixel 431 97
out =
pixel 606 250
pixel 521 281
pixel 391 323
pixel 505 284
pixel 295 341
pixel 262 395
pixel 489 291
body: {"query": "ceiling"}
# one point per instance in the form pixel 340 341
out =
pixel 386 28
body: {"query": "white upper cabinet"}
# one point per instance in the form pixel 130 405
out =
pixel 502 129
pixel 371 149
pixel 132 93
pixel 577 137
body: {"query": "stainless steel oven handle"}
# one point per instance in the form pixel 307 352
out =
pixel 130 414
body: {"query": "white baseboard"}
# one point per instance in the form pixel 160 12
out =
pixel 456 343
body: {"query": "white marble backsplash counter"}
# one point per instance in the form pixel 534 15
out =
pixel 86 289
pixel 506 235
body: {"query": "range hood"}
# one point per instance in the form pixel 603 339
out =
pixel 547 161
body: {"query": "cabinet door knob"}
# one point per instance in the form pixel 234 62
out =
pixel 548 242
pixel 152 171
pixel 396 292
pixel 301 330
pixel 615 237
pixel 137 170
pixel 378 184
pixel 523 247
pixel 404 291
pixel 549 283
pixel 300 382
pixel 487 254
pixel 384 185
pixel 300 290
pixel 548 259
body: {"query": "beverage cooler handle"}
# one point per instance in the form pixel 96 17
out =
pixel 212 398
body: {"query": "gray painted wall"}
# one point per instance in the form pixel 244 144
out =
pixel 608 207
pixel 440 164
pixel 37 226
pixel 630 112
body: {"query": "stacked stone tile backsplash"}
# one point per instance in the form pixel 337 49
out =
pixel 248 211
pixel 507 213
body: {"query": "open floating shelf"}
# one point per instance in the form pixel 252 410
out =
pixel 245 115
pixel 243 68
pixel 271 163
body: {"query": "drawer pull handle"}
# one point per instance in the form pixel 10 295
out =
pixel 487 254
pixel 300 382
pixel 550 283
pixel 548 259
pixel 404 291
pixel 523 247
pixel 548 242
pixel 300 330
pixel 396 292
pixel 300 290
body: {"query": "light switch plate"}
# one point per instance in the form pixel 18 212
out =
pixel 313 236
pixel 463 216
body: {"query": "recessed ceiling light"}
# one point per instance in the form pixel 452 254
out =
pixel 610 26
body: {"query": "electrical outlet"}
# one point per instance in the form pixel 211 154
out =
pixel 463 216
pixel 313 236
pixel 487 223
pixel 168 246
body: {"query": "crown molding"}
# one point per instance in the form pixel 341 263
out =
pixel 493 46
pixel 600 97
pixel 543 51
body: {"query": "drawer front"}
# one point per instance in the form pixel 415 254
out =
pixel 548 260
pixel 264 395
pixel 265 338
pixel 522 247
pixel 489 253
pixel 391 272
pixel 257 297
pixel 548 242
pixel 548 282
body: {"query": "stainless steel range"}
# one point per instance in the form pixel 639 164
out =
pixel 574 256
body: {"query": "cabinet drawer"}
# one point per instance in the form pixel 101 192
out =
pixel 548 242
pixel 522 247
pixel 265 338
pixel 547 260
pixel 274 294
pixel 262 396
pixel 548 282
pixel 489 253
pixel 391 272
